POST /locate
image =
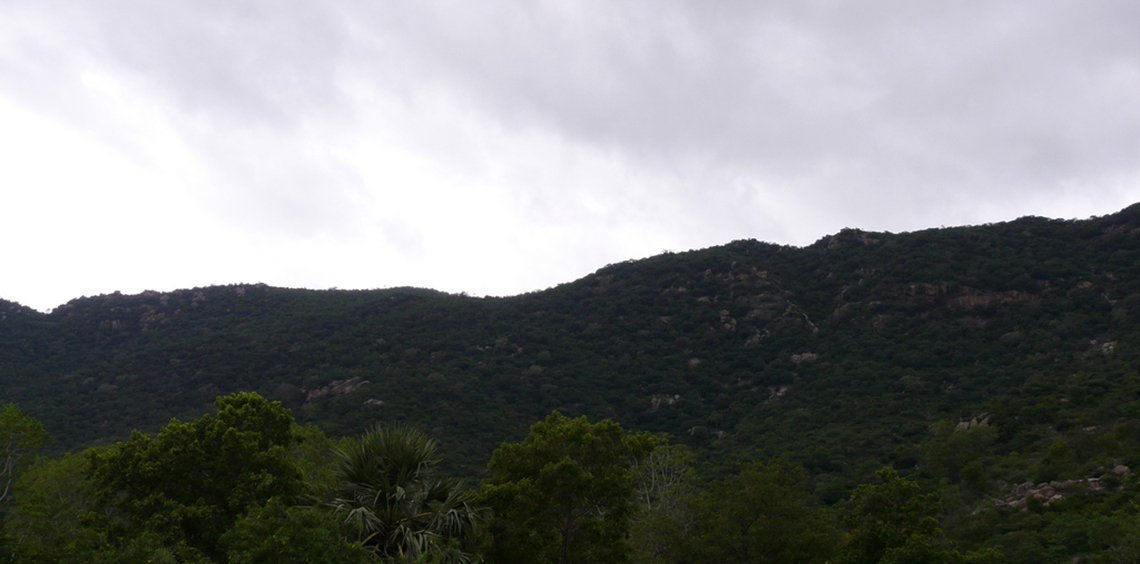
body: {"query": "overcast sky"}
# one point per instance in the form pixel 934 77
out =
pixel 499 147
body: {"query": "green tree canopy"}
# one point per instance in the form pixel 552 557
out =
pixel 762 515
pixel 565 494
pixel 278 534
pixel 47 523
pixel 19 434
pixel 895 523
pixel 189 484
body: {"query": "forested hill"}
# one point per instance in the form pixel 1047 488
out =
pixel 841 354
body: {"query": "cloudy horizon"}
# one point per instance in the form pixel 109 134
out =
pixel 498 147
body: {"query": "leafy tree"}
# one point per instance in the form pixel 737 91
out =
pixel 885 516
pixel 666 497
pixel 56 519
pixel 895 523
pixel 762 515
pixel 49 520
pixel 386 489
pixel 19 434
pixel 278 534
pixel 190 483
pixel 662 476
pixel 316 456
pixel 565 494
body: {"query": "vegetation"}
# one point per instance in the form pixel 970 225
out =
pixel 993 369
pixel 385 489
pixel 570 492
pixel 19 434
pixel 565 494
pixel 762 514
pixel 190 484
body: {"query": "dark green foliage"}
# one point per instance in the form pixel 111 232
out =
pixel 843 356
pixel 666 497
pixel 894 522
pixel 54 505
pixel 763 514
pixel 889 517
pixel 565 494
pixel 278 534
pixel 950 452
pixel 869 333
pixel 189 484
pixel 387 494
pixel 20 434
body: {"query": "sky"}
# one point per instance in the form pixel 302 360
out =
pixel 507 146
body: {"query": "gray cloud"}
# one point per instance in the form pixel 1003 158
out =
pixel 971 93
pixel 600 127
pixel 902 100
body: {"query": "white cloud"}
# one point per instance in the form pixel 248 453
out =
pixel 499 147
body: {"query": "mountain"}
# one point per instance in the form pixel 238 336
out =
pixel 842 354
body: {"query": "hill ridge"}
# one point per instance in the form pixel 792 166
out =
pixel 743 349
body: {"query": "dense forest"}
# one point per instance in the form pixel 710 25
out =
pixel 962 394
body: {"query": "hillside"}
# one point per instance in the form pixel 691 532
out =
pixel 842 353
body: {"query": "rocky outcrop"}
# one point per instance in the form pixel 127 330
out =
pixel 336 388
pixel 659 400
pixel 1051 492
pixel 1045 492
pixel 982 419
pixel 804 358
pixel 971 298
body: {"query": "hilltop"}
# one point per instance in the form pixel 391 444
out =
pixel 843 353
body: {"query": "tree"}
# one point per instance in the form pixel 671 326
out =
pixel 387 491
pixel 886 516
pixel 279 534
pixel 48 521
pixel 19 434
pixel 667 512
pixel 565 494
pixel 895 523
pixel 661 476
pixel 189 484
pixel 762 515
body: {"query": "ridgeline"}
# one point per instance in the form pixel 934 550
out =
pixel 843 355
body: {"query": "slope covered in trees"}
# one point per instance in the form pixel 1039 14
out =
pixel 997 361
pixel 864 336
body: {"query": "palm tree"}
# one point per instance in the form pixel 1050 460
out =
pixel 387 490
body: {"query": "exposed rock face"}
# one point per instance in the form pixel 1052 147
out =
pixel 151 317
pixel 804 358
pixel 1050 492
pixel 971 298
pixel 759 304
pixel 982 419
pixel 336 388
pixel 1045 492
pixel 662 399
pixel 1106 347
pixel 849 238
